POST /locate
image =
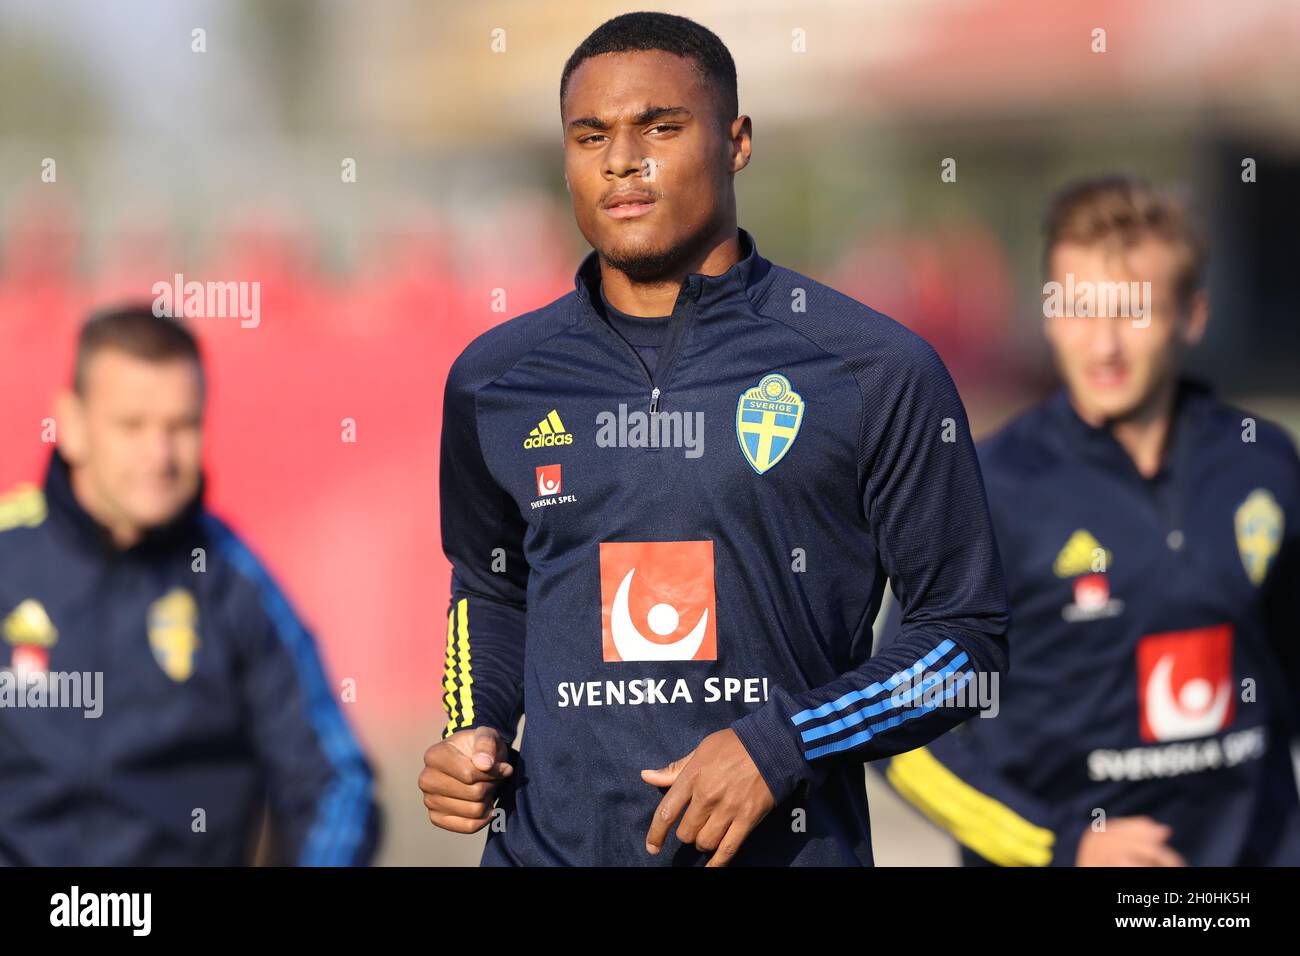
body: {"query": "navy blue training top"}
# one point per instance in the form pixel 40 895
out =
pixel 635 582
pixel 645 334
pixel 1157 648
pixel 214 696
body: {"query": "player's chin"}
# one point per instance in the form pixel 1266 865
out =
pixel 634 238
pixel 642 257
pixel 152 511
pixel 1113 405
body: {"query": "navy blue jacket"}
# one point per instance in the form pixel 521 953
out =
pixel 214 702
pixel 633 595
pixel 1156 638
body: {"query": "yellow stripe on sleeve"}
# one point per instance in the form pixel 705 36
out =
pixel 467 678
pixel 990 828
pixel 449 677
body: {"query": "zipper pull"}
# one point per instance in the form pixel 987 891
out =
pixel 654 400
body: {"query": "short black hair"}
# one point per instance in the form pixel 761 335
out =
pixel 136 330
pixel 670 34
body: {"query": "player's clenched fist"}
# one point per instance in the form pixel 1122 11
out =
pixel 460 778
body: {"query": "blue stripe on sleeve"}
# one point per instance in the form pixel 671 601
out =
pixel 865 735
pixel 889 703
pixel 866 693
pixel 336 835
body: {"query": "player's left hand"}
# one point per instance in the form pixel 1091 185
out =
pixel 721 791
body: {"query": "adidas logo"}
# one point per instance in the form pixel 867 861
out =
pixel 29 624
pixel 548 433
pixel 1082 554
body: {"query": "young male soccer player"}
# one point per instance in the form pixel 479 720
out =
pixel 672 498
pixel 1151 539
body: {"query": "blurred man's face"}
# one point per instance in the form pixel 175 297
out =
pixel 643 129
pixel 1116 365
pixel 135 436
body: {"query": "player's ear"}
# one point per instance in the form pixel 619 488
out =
pixel 1053 299
pixel 70 425
pixel 1051 319
pixel 741 142
pixel 1196 318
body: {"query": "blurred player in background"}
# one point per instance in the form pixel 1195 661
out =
pixel 160 689
pixel 1151 540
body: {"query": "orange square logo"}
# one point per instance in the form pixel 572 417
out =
pixel 1185 686
pixel 657 601
pixel 548 480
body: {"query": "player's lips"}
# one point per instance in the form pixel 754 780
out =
pixel 1107 376
pixel 628 204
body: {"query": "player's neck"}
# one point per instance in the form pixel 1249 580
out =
pixel 125 533
pixel 1145 433
pixel 715 256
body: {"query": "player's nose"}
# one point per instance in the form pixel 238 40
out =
pixel 622 157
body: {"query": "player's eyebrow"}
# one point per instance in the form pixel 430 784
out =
pixel 647 115
pixel 652 113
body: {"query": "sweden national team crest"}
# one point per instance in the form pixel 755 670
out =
pixel 173 633
pixel 768 417
pixel 1259 520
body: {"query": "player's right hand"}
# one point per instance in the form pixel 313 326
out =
pixel 1128 841
pixel 460 778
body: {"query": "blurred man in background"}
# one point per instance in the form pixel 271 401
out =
pixel 161 692
pixel 1151 540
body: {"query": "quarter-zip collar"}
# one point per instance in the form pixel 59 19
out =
pixel 63 507
pixel 746 280
pixel 700 299
pixel 1167 490
pixel 1099 445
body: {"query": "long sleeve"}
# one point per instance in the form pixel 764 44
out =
pixel 1281 601
pixel 319 783
pixel 482 536
pixel 953 781
pixel 924 500
pixel 1282 607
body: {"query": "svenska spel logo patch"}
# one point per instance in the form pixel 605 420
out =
pixel 548 480
pixel 657 601
pixel 1185 686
